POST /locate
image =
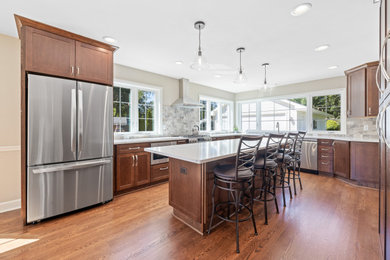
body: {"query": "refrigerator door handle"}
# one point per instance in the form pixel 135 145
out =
pixel 72 166
pixel 73 122
pixel 81 119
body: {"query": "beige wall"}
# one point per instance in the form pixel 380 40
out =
pixel 169 85
pixel 309 86
pixel 10 118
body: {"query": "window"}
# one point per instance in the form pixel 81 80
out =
pixel 321 111
pixel 283 114
pixel 135 109
pixel 326 113
pixel 122 98
pixel 146 101
pixel 248 116
pixel 215 115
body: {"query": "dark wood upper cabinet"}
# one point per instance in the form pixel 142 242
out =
pixel 94 63
pixel 56 52
pixel 365 163
pixel 49 53
pixel 362 92
pixel 341 158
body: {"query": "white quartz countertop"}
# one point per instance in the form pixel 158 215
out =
pixel 200 152
pixel 345 138
pixel 148 140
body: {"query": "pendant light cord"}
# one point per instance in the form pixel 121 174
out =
pixel 265 74
pixel 240 63
pixel 199 49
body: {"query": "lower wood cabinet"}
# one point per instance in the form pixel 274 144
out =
pixel 132 166
pixel 325 156
pixel 341 158
pixel 142 168
pixel 365 162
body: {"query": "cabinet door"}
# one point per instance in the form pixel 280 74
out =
pixel 49 53
pixel 372 95
pixel 142 168
pixel 341 158
pixel 365 162
pixel 356 93
pixel 94 64
pixel 125 163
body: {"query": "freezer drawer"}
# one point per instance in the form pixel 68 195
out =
pixel 60 188
pixel 51 124
pixel 95 131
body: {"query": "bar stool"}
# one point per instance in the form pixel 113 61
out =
pixel 298 154
pixel 284 159
pixel 238 180
pixel 266 168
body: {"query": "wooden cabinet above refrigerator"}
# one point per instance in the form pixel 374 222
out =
pixel 52 51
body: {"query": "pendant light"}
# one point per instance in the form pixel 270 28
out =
pixel 265 75
pixel 240 78
pixel 200 62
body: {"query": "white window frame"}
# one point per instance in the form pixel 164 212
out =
pixel 208 116
pixel 135 87
pixel 309 117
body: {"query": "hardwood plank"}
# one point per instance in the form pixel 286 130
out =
pixel 328 219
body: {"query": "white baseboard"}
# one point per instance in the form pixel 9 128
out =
pixel 9 205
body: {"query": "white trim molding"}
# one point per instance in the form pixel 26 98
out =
pixel 9 148
pixel 10 205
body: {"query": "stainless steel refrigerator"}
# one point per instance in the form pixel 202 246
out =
pixel 69 146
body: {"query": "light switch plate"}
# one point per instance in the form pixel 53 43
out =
pixel 365 127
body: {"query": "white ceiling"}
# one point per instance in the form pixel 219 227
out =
pixel 152 35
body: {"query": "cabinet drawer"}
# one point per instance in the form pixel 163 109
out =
pixel 181 141
pixel 325 142
pixel 159 172
pixel 325 166
pixel 131 148
pixel 325 150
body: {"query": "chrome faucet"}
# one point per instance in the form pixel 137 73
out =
pixel 278 127
pixel 195 130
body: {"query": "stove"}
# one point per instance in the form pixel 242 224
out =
pixel 198 138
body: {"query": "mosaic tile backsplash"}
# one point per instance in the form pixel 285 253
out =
pixel 179 121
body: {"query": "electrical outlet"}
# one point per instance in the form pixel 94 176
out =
pixel 365 127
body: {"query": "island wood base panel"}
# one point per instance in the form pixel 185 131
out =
pixel 190 187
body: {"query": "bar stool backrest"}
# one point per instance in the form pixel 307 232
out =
pixel 301 137
pixel 247 152
pixel 289 146
pixel 272 148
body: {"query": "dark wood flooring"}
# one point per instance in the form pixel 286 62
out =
pixel 328 219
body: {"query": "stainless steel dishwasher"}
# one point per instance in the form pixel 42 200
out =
pixel 309 156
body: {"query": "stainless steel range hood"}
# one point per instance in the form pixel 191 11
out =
pixel 184 100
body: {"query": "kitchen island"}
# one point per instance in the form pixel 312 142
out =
pixel 191 178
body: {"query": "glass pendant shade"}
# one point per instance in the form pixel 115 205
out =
pixel 240 78
pixel 200 62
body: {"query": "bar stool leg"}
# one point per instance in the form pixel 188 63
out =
pixel 274 187
pixel 295 188
pixel 288 181
pixel 265 197
pixel 282 177
pixel 251 201
pixel 213 208
pixel 237 204
pixel 299 174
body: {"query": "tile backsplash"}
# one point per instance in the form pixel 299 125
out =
pixel 355 127
pixel 178 120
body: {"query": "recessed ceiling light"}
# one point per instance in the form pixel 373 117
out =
pixel 109 39
pixel 301 9
pixel 179 62
pixel 322 47
pixel 333 67
pixel 217 76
